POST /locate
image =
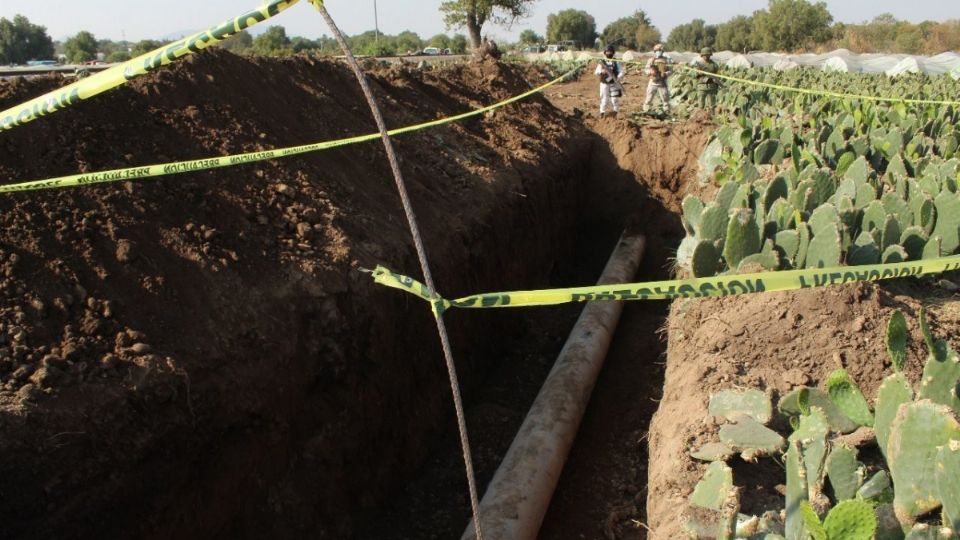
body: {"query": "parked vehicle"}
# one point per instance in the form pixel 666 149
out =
pixel 431 51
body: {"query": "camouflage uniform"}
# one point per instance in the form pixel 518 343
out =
pixel 659 69
pixel 707 86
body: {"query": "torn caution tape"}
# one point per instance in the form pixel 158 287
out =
pixel 787 280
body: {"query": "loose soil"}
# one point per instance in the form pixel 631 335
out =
pixel 199 356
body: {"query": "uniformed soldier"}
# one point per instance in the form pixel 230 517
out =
pixel 610 73
pixel 707 84
pixel 659 68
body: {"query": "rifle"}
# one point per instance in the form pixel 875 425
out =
pixel 616 82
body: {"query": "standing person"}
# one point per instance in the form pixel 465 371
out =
pixel 610 72
pixel 659 68
pixel 707 84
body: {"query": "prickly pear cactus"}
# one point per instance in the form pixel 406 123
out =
pixel 713 222
pixel 705 261
pixel 851 520
pixel 948 222
pixel 894 392
pixel 751 438
pixel 790 404
pixel 711 492
pixel 846 474
pixel 796 490
pixel 812 434
pixel 743 237
pixel 896 340
pixel 731 404
pixel 940 379
pixel 919 429
pixel 878 488
pixel 846 395
pixel 948 483
pixel 692 210
pixel 824 250
pixel 713 451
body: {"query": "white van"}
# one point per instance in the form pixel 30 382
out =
pixel 431 51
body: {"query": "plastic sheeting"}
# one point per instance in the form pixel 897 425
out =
pixel 839 60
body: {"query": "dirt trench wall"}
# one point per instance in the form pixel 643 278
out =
pixel 197 356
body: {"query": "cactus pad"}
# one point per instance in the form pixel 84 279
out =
pixel 751 438
pixel 743 237
pixel 851 520
pixel 713 222
pixel 917 432
pixel 877 488
pixel 692 210
pixel 941 374
pixel 790 405
pixel 948 222
pixel 824 250
pixel 705 260
pixel 913 240
pixel 896 340
pixel 731 404
pixel 894 254
pixel 948 482
pixel 846 395
pixel 894 392
pixel 714 451
pixel 845 472
pixel 864 251
pixel 796 490
pixel 824 216
pixel 812 435
pixel 712 490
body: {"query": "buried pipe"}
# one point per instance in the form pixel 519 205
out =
pixel 519 494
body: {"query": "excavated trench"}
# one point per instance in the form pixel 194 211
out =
pixel 204 360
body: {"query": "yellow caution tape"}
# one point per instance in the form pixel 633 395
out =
pixel 150 171
pixel 681 288
pixel 117 75
pixel 808 91
pixel 825 93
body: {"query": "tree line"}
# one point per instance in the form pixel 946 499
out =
pixel 785 25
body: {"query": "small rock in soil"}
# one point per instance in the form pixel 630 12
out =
pixel 126 251
pixel 140 348
pixel 28 392
pixel 858 324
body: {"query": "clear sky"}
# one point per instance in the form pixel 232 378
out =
pixel 151 19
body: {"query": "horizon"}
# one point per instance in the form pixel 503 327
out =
pixel 128 23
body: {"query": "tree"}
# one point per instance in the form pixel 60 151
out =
pixel 735 34
pixel 790 25
pixel 529 37
pixel 21 41
pixel 647 36
pixel 144 46
pixel 572 25
pixel 473 14
pixel 458 44
pixel 118 56
pixel 273 42
pixel 692 36
pixel 239 43
pixel 81 48
pixel 625 31
pixel 440 41
pixel 300 44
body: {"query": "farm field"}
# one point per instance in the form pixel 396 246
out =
pixel 201 356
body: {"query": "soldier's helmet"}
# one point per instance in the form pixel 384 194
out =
pixel 706 51
pixel 610 49
pixel 658 47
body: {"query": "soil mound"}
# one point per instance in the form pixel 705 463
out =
pixel 774 342
pixel 197 355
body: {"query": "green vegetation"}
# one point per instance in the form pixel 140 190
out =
pixel 81 48
pixel 912 494
pixel 22 41
pixel 473 14
pixel 812 182
pixel 572 25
